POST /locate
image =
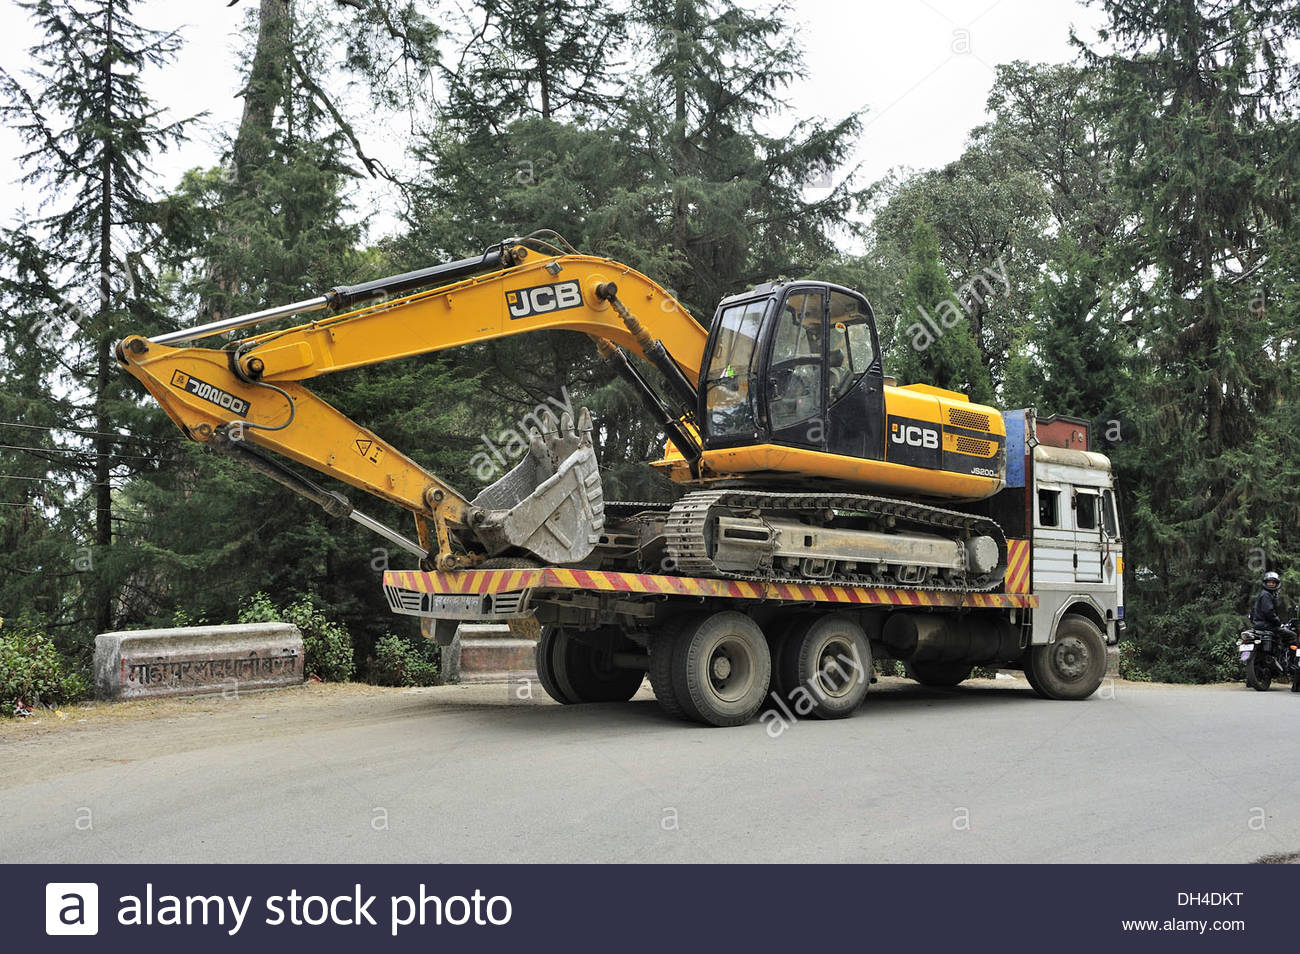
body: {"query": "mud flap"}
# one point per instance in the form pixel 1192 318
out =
pixel 551 503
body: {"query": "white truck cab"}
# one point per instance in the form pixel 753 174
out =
pixel 1077 554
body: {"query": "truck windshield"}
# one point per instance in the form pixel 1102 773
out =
pixel 730 383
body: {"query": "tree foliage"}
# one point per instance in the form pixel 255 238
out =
pixel 1117 241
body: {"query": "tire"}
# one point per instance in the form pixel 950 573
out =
pixel 1073 665
pixel 544 661
pixel 1033 681
pixel 585 671
pixel 1259 671
pixel 508 563
pixel 721 668
pixel 662 645
pixel 940 675
pixel 829 657
pixel 778 634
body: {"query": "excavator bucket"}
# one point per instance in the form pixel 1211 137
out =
pixel 551 503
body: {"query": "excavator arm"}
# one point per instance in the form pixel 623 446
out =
pixel 249 396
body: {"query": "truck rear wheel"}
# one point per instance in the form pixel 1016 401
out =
pixel 721 668
pixel 942 675
pixel 544 662
pixel 829 658
pixel 663 644
pixel 1073 665
pixel 583 669
pixel 779 631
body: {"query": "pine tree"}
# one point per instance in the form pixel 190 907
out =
pixel 1201 96
pixel 737 202
pixel 91 131
pixel 553 59
pixel 934 343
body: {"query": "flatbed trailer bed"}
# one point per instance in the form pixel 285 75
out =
pixel 421 594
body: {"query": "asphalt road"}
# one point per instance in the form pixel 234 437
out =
pixel 986 772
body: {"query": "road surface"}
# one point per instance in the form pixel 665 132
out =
pixel 986 772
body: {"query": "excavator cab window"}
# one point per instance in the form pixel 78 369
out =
pixel 729 384
pixel 798 355
pixel 800 368
pixel 850 352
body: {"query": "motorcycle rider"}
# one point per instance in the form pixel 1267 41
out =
pixel 1264 615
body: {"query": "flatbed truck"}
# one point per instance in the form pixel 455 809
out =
pixel 716 649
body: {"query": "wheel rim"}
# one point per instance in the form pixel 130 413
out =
pixel 833 677
pixel 730 668
pixel 1071 658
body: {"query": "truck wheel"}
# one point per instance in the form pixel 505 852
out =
pixel 779 631
pixel 1073 666
pixel 662 645
pixel 721 668
pixel 544 661
pixel 942 675
pixel 1033 680
pixel 1259 672
pixel 829 658
pixel 585 670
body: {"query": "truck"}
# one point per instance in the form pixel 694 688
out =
pixel 827 512
pixel 1058 615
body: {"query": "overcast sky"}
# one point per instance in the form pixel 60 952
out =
pixel 922 68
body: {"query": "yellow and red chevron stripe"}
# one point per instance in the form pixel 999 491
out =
pixel 471 582
pixel 1017 566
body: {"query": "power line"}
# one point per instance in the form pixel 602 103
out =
pixel 90 433
pixel 56 480
pixel 70 450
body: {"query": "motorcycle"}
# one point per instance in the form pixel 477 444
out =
pixel 1268 655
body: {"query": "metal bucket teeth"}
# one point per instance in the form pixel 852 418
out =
pixel 551 503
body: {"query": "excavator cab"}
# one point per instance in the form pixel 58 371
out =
pixel 796 365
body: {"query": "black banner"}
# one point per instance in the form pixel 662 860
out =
pixel 646 908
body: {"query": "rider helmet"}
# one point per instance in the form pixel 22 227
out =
pixel 1271 580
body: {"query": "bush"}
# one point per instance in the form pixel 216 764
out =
pixel 1129 667
pixel 326 644
pixel 398 662
pixel 32 669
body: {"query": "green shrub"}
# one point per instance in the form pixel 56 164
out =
pixel 260 609
pixel 398 662
pixel 327 645
pixel 1129 666
pixel 33 670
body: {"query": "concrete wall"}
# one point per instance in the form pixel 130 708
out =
pixel 195 659
pixel 488 652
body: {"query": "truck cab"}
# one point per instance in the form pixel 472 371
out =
pixel 1061 517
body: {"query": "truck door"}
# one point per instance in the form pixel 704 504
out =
pixel 1088 541
pixel 1053 535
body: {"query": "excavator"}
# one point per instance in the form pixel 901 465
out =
pixel 800 459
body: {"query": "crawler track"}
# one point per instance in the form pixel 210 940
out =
pixel 687 531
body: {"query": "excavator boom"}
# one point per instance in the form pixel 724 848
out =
pixel 250 395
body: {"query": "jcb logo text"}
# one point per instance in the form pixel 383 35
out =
pixel 914 436
pixel 538 301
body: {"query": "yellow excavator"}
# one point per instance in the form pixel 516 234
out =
pixel 801 460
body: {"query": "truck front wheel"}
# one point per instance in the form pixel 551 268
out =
pixel 1073 665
